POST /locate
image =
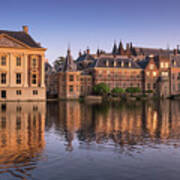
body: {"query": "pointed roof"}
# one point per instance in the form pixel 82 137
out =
pixel 69 65
pixel 121 49
pixel 114 51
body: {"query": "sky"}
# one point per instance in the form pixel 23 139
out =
pixel 57 24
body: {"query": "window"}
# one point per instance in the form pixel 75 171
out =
pixel 18 123
pixel 3 94
pixel 147 73
pixel 18 92
pixel 3 60
pixel 35 92
pixel 164 73
pixel 166 65
pixel 178 87
pixel 3 125
pixel 34 62
pixel 71 88
pixel 18 78
pixel 154 86
pixel 151 66
pixel 71 78
pixel 149 86
pixel 174 87
pixel 154 73
pixel 3 78
pixel 18 61
pixel 34 79
pixel 162 65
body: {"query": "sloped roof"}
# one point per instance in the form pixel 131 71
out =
pixel 85 57
pixel 22 37
pixel 154 51
pixel 101 62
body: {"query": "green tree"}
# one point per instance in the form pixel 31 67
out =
pixel 133 90
pixel 101 89
pixel 117 91
pixel 58 63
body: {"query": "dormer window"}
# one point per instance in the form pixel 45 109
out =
pixel 114 63
pixel 107 63
pixel 122 64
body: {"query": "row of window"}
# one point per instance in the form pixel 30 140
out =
pixel 18 61
pixel 18 78
pixel 18 93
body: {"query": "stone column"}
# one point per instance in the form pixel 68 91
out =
pixel 25 59
pixel 42 71
pixel 10 70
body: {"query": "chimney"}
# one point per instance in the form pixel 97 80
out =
pixel 25 29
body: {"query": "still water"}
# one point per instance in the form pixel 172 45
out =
pixel 76 141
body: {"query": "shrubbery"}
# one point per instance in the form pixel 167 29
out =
pixel 101 89
pixel 133 90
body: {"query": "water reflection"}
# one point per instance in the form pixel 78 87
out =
pixel 21 137
pixel 141 123
pixel 71 128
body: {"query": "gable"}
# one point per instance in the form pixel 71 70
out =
pixel 6 42
pixel 151 65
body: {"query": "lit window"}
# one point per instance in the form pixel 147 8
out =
pixel 3 78
pixel 162 65
pixel 164 73
pixel 18 78
pixel 3 60
pixel 147 73
pixel 166 65
pixel 151 66
pixel 154 73
pixel 18 61
pixel 34 79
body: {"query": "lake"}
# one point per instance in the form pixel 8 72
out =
pixel 85 141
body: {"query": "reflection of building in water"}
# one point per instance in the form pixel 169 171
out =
pixel 22 128
pixel 122 124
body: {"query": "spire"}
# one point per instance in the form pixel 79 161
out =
pixel 128 51
pixel 121 49
pixel 114 51
pixel 69 63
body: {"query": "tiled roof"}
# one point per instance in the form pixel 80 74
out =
pixel 155 52
pixel 22 37
pixel 85 57
pixel 116 62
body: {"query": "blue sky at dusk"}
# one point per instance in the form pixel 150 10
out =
pixel 94 23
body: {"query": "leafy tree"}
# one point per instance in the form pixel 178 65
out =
pixel 101 89
pixel 118 90
pixel 133 90
pixel 58 63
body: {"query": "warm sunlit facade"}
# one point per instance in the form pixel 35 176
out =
pixel 21 67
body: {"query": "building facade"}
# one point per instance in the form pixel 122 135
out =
pixel 152 70
pixel 21 67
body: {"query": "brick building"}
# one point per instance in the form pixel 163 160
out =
pixel 155 70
